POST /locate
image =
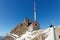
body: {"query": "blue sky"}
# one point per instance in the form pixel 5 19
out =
pixel 12 12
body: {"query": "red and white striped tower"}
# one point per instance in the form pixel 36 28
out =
pixel 35 10
pixel 35 23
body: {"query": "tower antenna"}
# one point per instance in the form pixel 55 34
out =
pixel 35 10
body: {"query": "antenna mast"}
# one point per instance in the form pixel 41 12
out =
pixel 34 10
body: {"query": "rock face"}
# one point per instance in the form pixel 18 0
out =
pixel 8 38
pixel 20 29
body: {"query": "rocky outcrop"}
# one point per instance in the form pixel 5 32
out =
pixel 8 38
pixel 20 29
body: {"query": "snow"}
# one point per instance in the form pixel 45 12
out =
pixel 12 35
pixel 24 36
pixel 15 35
pixel 50 34
pixel 31 35
pixel 28 35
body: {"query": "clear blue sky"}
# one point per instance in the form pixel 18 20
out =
pixel 12 12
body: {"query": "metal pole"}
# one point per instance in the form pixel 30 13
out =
pixel 54 33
